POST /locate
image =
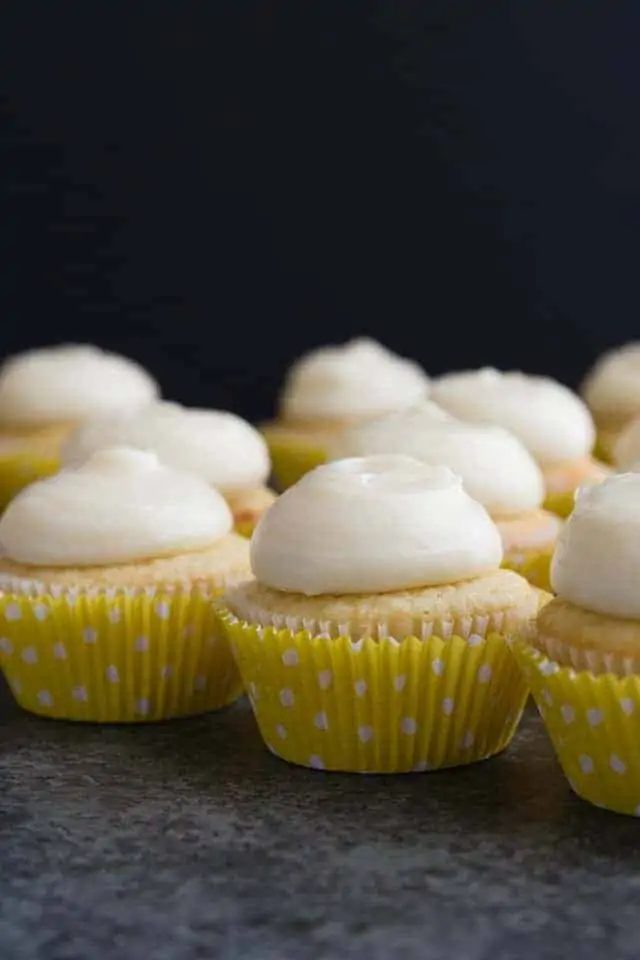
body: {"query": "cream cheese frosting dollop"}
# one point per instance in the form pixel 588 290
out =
pixel 216 445
pixel 626 449
pixel 613 385
pixel 495 467
pixel 357 379
pixel 121 506
pixel 552 421
pixel 373 525
pixel 596 563
pixel 70 383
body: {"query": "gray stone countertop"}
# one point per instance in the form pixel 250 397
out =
pixel 188 841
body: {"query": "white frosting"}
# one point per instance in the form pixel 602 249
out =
pixel 552 421
pixel 357 379
pixel 613 385
pixel 496 469
pixel 122 505
pixel 371 525
pixel 626 449
pixel 218 446
pixel 70 383
pixel 596 563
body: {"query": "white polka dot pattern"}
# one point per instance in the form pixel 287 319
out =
pixel 594 723
pixel 375 704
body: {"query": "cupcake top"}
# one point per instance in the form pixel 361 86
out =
pixel 495 468
pixel 121 506
pixel 217 446
pixel 70 383
pixel 551 421
pixel 373 525
pixel 613 385
pixel 626 449
pixel 596 564
pixel 355 380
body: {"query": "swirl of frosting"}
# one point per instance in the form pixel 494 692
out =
pixel 373 525
pixel 357 379
pixel 596 564
pixel 496 469
pixel 626 449
pixel 70 383
pixel 218 446
pixel 552 421
pixel 613 384
pixel 120 506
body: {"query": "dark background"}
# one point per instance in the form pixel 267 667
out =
pixel 214 187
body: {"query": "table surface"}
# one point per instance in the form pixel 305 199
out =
pixel 188 841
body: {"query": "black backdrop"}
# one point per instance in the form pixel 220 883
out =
pixel 213 187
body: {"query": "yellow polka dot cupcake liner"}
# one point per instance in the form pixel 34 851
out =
pixel 292 458
pixel 116 656
pixel 594 725
pixel 561 504
pixel 533 566
pixel 379 705
pixel 19 470
pixel 245 529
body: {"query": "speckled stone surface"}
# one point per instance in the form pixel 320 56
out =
pixel 187 841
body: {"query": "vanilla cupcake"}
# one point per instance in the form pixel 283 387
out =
pixel 107 573
pixel 550 420
pixel 45 392
pixel 583 662
pixel 216 445
pixel 612 391
pixel 373 638
pixel 330 388
pixel 495 467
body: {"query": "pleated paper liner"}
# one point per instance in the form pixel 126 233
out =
pixel 533 565
pixel 378 705
pixel 561 504
pixel 19 470
pixel 292 457
pixel 594 725
pixel 115 656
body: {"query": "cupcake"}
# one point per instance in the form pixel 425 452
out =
pixel 495 468
pixel 551 421
pixel 373 638
pixel 583 660
pixel 106 578
pixel 45 392
pixel 330 388
pixel 217 446
pixel 612 391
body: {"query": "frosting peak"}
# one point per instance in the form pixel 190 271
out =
pixel 70 383
pixel 496 469
pixel 373 525
pixel 552 421
pixel 121 506
pixel 357 379
pixel 613 385
pixel 217 446
pixel 596 564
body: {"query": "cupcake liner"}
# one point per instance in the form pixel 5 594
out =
pixel 534 566
pixel 113 656
pixel 592 660
pixel 594 725
pixel 245 529
pixel 292 458
pixel 376 705
pixel 18 470
pixel 561 504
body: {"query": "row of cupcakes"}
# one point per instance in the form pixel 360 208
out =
pixel 46 394
pixel 369 619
